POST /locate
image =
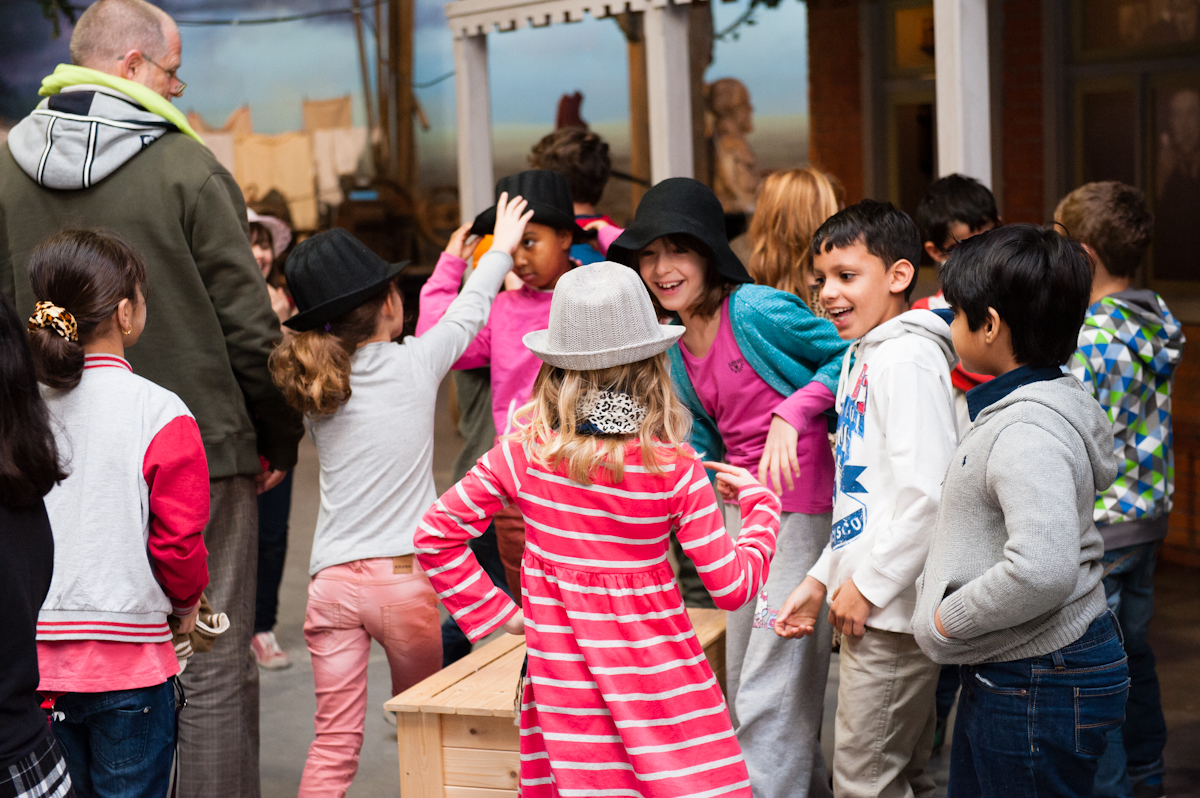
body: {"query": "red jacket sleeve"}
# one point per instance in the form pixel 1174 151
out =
pixel 463 513
pixel 732 571
pixel 176 472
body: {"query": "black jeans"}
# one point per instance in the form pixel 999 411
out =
pixel 455 644
pixel 274 507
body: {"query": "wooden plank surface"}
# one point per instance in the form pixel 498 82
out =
pixel 419 739
pixel 478 792
pixel 480 731
pixel 472 767
pixel 412 699
pixel 490 691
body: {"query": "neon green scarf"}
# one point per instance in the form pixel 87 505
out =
pixel 71 75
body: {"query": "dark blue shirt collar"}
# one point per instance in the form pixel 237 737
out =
pixel 992 391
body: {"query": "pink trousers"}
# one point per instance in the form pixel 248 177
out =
pixel 348 605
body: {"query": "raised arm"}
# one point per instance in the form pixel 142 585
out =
pixel 733 572
pixel 463 513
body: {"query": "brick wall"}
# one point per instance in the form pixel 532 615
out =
pixel 1022 141
pixel 835 102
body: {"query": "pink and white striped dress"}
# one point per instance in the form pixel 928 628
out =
pixel 620 699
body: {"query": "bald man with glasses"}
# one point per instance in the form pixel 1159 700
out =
pixel 107 149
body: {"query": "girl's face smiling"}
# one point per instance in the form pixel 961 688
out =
pixel 543 256
pixel 674 274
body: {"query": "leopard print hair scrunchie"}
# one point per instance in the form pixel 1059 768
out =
pixel 48 314
pixel 610 413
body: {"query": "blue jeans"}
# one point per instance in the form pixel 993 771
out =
pixel 274 507
pixel 1038 726
pixel 118 744
pixel 1135 751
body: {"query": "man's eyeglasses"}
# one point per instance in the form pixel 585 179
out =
pixel 177 91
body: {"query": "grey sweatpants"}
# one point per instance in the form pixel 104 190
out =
pixel 776 687
pixel 218 730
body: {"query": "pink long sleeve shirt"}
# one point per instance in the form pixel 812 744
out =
pixel 742 404
pixel 498 344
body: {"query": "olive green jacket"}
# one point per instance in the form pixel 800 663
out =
pixel 209 326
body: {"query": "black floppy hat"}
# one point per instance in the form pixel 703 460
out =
pixel 680 206
pixel 331 274
pixel 549 197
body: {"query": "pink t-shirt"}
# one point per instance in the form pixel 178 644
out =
pixel 742 404
pixel 98 666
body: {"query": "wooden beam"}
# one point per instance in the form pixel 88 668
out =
pixel 669 92
pixel 400 70
pixel 382 91
pixel 472 96
pixel 632 24
pixel 366 70
pixel 964 127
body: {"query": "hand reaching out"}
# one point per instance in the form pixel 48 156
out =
pixel 730 479
pixel 462 243
pixel 779 455
pixel 516 624
pixel 798 615
pixel 511 218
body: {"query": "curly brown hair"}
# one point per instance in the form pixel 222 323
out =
pixel 580 156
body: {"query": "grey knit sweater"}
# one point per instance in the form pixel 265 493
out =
pixel 1015 559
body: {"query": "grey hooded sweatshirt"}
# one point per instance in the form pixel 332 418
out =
pixel 1015 558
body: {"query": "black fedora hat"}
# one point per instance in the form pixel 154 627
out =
pixel 331 274
pixel 549 197
pixel 680 206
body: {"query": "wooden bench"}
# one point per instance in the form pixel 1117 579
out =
pixel 456 730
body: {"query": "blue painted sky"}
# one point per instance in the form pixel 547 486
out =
pixel 274 67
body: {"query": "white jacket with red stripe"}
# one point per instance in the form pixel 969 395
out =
pixel 129 518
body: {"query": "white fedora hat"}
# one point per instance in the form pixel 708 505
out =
pixel 601 316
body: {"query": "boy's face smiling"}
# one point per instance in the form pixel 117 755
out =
pixel 543 256
pixel 859 290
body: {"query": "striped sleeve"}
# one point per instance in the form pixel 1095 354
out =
pixel 732 571
pixel 463 513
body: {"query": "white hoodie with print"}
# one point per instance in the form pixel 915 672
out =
pixel 896 433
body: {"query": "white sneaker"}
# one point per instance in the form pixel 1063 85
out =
pixel 267 652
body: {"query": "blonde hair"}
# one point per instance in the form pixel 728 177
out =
pixel 312 368
pixel 548 424
pixel 791 206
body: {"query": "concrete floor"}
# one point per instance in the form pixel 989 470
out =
pixel 288 700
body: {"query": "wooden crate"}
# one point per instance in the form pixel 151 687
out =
pixel 456 729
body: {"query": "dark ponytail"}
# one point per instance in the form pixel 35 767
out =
pixel 29 465
pixel 86 273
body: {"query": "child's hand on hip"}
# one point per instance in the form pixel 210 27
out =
pixel 848 610
pixel 779 455
pixel 462 243
pixel 511 218
pixel 730 479
pixel 798 615
pixel 516 624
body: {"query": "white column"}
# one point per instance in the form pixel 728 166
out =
pixel 476 181
pixel 963 93
pixel 668 91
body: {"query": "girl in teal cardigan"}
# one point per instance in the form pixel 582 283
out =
pixel 759 372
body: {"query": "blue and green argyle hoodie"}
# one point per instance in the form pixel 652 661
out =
pixel 1129 348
